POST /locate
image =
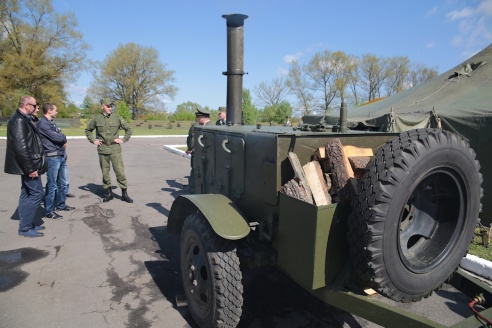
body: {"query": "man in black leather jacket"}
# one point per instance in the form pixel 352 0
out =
pixel 25 157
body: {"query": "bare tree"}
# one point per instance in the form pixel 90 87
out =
pixel 354 83
pixel 321 71
pixel 298 84
pixel 420 73
pixel 343 72
pixel 372 75
pixel 396 75
pixel 271 94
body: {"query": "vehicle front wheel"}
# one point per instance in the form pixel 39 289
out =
pixel 211 275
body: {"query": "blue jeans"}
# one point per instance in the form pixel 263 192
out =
pixel 30 198
pixel 56 184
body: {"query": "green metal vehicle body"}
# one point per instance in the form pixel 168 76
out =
pixel 238 174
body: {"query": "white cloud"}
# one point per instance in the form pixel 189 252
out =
pixel 431 12
pixel 485 8
pixel 431 44
pixel 474 26
pixel 291 58
pixel 458 14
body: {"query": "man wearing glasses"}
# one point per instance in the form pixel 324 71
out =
pixel 25 157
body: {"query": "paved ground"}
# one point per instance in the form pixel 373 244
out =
pixel 115 265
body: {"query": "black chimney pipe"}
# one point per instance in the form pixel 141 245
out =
pixel 235 68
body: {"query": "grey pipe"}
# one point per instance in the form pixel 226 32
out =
pixel 235 68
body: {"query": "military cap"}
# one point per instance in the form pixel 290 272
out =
pixel 201 111
pixel 106 101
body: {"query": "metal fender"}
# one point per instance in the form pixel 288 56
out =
pixel 221 212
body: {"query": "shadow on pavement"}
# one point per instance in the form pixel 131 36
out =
pixel 271 299
pixel 166 273
pixel 93 188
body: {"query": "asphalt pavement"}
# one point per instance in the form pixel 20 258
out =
pixel 115 265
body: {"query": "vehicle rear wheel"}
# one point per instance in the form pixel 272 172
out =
pixel 415 213
pixel 211 275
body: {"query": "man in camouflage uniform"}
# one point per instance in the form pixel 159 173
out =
pixel 107 126
pixel 203 118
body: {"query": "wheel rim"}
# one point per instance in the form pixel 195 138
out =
pixel 432 220
pixel 196 276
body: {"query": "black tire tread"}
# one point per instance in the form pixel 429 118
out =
pixel 374 189
pixel 224 264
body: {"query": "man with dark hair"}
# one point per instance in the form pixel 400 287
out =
pixel 25 157
pixel 107 126
pixel 56 178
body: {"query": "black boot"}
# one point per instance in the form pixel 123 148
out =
pixel 108 195
pixel 125 197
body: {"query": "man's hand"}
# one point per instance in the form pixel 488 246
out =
pixel 98 142
pixel 118 141
pixel 33 174
pixel 189 151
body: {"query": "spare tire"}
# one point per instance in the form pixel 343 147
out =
pixel 415 213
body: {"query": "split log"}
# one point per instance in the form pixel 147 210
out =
pixel 296 189
pixel 359 164
pixel 299 174
pixel 316 181
pixel 352 151
pixel 341 169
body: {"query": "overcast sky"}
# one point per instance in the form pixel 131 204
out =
pixel 190 35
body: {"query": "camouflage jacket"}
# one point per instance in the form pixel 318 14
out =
pixel 107 129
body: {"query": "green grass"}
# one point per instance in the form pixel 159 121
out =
pixel 477 248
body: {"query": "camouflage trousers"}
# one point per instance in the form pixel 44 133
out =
pixel 115 158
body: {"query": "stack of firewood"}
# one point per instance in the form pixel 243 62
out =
pixel 331 175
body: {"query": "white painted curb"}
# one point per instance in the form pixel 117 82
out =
pixel 477 265
pixel 173 149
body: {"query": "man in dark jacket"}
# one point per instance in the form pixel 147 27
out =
pixel 203 118
pixel 25 157
pixel 54 142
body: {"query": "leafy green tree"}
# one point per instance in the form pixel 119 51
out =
pixel 156 116
pixel 40 51
pixel 185 112
pixel 70 111
pixel 276 113
pixel 123 110
pixel 250 112
pixel 134 74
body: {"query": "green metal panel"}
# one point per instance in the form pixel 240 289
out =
pixel 224 217
pixel 229 165
pixel 204 161
pixel 307 237
pixel 373 310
